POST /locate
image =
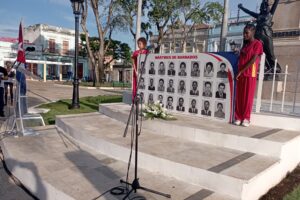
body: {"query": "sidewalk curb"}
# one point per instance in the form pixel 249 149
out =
pixel 92 88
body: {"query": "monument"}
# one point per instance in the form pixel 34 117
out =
pixel 264 31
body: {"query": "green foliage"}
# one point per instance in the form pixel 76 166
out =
pixel 116 48
pixel 295 195
pixel 87 105
pixel 119 50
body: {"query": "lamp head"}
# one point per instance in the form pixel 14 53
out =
pixel 77 5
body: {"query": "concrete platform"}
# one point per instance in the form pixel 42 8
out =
pixel 54 166
pixel 223 167
pixel 256 139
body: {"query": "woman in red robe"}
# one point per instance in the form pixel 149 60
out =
pixel 142 43
pixel 246 79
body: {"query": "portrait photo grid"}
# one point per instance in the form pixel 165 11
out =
pixel 193 87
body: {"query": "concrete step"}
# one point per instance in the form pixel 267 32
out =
pixel 55 167
pixel 266 141
pixel 238 174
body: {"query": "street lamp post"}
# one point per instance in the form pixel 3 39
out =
pixel 76 5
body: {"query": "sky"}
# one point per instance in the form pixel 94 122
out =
pixel 59 13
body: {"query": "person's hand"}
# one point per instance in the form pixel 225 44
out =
pixel 240 5
pixel 238 76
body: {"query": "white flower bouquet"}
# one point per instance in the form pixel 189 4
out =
pixel 156 110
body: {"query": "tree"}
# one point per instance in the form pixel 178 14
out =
pixel 194 13
pixel 181 14
pixel 107 19
pixel 116 49
pixel 129 12
pixel 159 14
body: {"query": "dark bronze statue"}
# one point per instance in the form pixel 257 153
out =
pixel 264 31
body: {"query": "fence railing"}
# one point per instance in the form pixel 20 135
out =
pixel 273 96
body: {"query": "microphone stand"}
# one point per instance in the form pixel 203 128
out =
pixel 135 185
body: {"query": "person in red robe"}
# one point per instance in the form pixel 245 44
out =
pixel 142 44
pixel 246 79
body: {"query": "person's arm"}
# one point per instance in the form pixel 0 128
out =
pixel 249 64
pixel 253 14
pixel 5 74
pixel 273 9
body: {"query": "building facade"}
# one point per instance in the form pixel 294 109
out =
pixel 234 34
pixel 53 58
pixel 174 40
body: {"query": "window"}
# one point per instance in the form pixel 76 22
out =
pixel 65 49
pixel 51 45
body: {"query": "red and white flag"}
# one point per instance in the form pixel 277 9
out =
pixel 21 51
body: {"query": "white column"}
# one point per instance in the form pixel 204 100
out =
pixel 60 72
pixel 45 72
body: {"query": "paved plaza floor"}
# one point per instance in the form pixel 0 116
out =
pixel 38 93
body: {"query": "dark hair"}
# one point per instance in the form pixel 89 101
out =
pixel 143 40
pixel 207 83
pixel 220 104
pixel 223 64
pixel 170 98
pixel 171 63
pixel 161 80
pixel 194 82
pixel 182 81
pixel 183 63
pixel 207 102
pixel 180 99
pixel 195 63
pixel 162 63
pixel 250 26
pixel 194 100
pixel 152 64
pixel 209 63
pixel 221 84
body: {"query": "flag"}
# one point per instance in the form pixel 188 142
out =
pixel 21 78
pixel 21 52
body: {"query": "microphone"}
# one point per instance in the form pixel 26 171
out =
pixel 152 47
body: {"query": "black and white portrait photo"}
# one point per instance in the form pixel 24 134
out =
pixel 181 87
pixel 170 87
pixel 180 105
pixel 193 107
pixel 142 83
pixel 151 84
pixel 182 69
pixel 161 85
pixel 161 68
pixel 150 99
pixel 160 99
pixel 207 89
pixel 169 105
pixel 171 69
pixel 194 89
pixel 152 69
pixel 222 73
pixel 195 72
pixel 206 108
pixel 219 113
pixel 221 94
pixel 209 70
pixel 142 68
pixel 142 97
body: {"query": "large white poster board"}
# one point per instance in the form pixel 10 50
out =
pixel 192 84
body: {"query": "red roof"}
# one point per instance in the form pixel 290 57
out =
pixel 8 39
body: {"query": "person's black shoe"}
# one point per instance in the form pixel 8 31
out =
pixel 2 115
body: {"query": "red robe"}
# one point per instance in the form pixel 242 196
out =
pixel 135 57
pixel 246 83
